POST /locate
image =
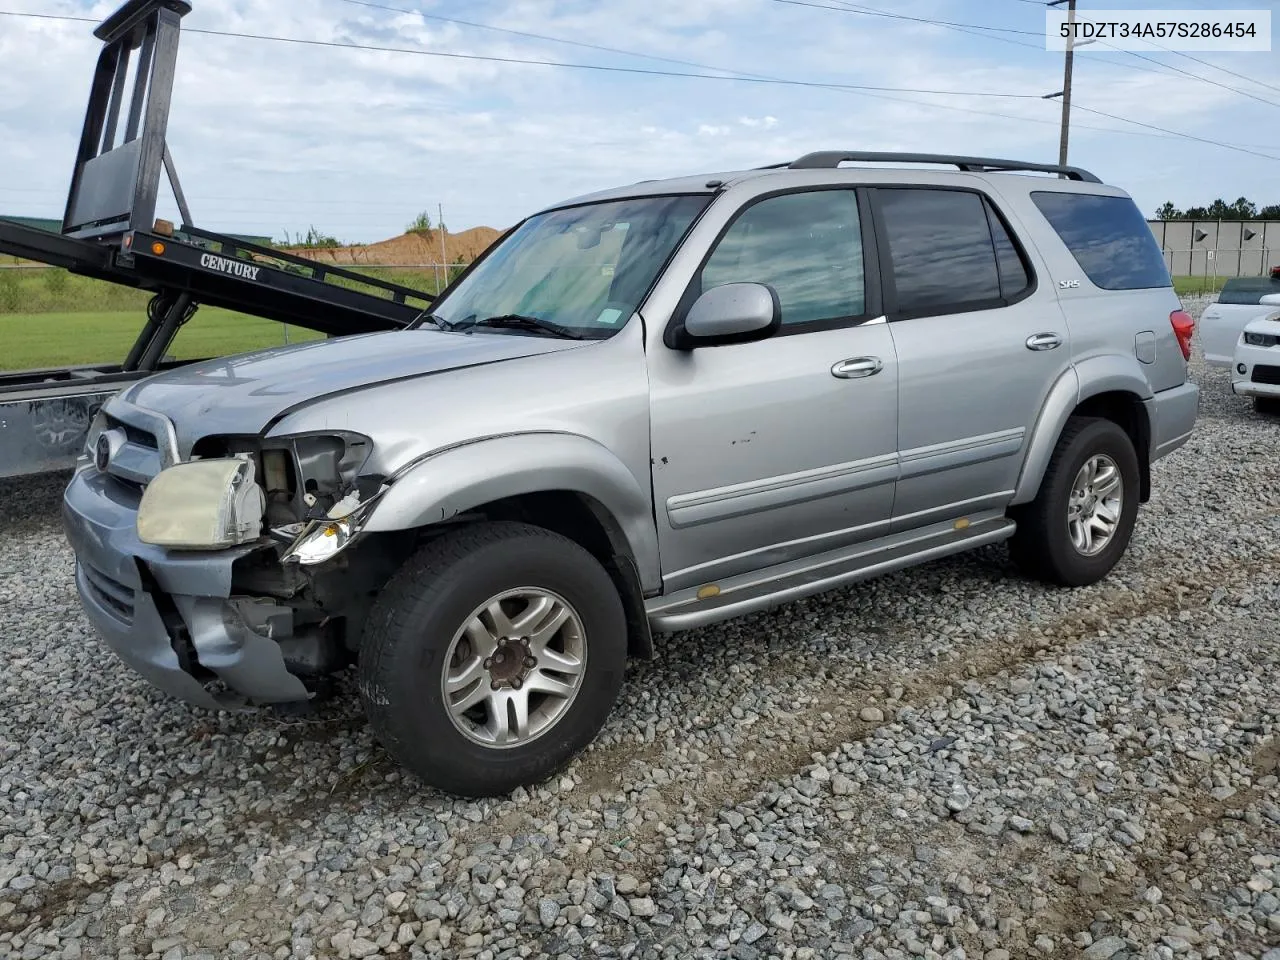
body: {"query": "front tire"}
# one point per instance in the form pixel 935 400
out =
pixel 1080 523
pixel 1267 406
pixel 493 657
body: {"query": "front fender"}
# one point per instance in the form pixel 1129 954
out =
pixel 1089 378
pixel 456 479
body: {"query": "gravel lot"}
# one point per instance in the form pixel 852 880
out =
pixel 949 762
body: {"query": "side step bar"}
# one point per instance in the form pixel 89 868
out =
pixel 762 589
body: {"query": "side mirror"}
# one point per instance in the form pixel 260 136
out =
pixel 730 313
pixel 1270 300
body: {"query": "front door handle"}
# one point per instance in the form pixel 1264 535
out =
pixel 858 367
pixel 1044 341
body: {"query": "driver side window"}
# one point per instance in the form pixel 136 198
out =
pixel 807 246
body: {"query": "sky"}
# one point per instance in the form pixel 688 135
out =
pixel 270 137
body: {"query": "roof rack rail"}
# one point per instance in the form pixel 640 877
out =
pixel 828 159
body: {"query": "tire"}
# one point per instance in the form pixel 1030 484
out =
pixel 1267 406
pixel 405 658
pixel 1043 546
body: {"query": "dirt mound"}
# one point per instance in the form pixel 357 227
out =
pixel 411 249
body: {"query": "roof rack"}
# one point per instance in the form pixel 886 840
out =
pixel 829 159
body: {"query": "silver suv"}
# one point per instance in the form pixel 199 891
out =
pixel 641 411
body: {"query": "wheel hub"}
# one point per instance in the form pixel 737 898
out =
pixel 510 664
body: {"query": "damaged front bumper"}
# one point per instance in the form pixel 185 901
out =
pixel 171 615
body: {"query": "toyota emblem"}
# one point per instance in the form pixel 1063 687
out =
pixel 102 454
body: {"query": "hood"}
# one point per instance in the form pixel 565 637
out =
pixel 1269 324
pixel 243 394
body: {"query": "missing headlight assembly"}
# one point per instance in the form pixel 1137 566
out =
pixel 313 494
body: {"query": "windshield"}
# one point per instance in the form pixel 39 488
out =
pixel 584 269
pixel 1248 291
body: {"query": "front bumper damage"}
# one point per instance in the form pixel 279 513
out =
pixel 171 615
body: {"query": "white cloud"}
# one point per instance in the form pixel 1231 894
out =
pixel 270 136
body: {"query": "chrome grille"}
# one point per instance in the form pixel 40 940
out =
pixel 142 443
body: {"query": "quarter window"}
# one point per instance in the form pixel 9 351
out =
pixel 807 246
pixel 1109 238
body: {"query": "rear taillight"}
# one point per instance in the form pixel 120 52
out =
pixel 1183 328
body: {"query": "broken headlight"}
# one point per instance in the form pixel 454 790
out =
pixel 316 493
pixel 324 538
pixel 202 505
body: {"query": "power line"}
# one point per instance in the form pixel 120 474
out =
pixel 1193 76
pixel 1214 66
pixel 704 66
pixel 868 90
pixel 1170 68
pixel 879 96
pixel 538 36
pixel 1183 136
pixel 974 31
pixel 900 16
pixel 602 68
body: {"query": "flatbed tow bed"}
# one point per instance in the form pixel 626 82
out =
pixel 110 233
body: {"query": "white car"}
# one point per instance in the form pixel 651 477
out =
pixel 1241 300
pixel 1255 370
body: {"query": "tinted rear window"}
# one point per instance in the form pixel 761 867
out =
pixel 941 248
pixel 1248 290
pixel 1109 238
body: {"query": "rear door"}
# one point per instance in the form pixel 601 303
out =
pixel 979 343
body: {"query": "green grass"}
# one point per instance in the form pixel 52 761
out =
pixel 50 290
pixel 51 318
pixel 1186 286
pixel 37 340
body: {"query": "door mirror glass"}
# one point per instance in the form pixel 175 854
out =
pixel 733 313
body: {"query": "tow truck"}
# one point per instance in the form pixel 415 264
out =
pixel 110 232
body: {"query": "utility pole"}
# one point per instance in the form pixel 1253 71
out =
pixel 1066 80
pixel 1066 84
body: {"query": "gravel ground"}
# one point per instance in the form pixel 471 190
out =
pixel 949 762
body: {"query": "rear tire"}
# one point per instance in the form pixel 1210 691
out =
pixel 1080 523
pixel 493 657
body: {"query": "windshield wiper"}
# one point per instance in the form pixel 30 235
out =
pixel 440 323
pixel 516 321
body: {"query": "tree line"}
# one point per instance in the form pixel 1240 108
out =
pixel 1242 209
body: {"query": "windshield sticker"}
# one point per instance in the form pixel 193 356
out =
pixel 609 316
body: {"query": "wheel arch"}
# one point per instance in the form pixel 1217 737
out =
pixel 565 483
pixel 1110 388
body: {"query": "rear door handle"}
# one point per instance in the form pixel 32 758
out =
pixel 858 367
pixel 1044 341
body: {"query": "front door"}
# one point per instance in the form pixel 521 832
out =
pixel 770 451
pixel 979 345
